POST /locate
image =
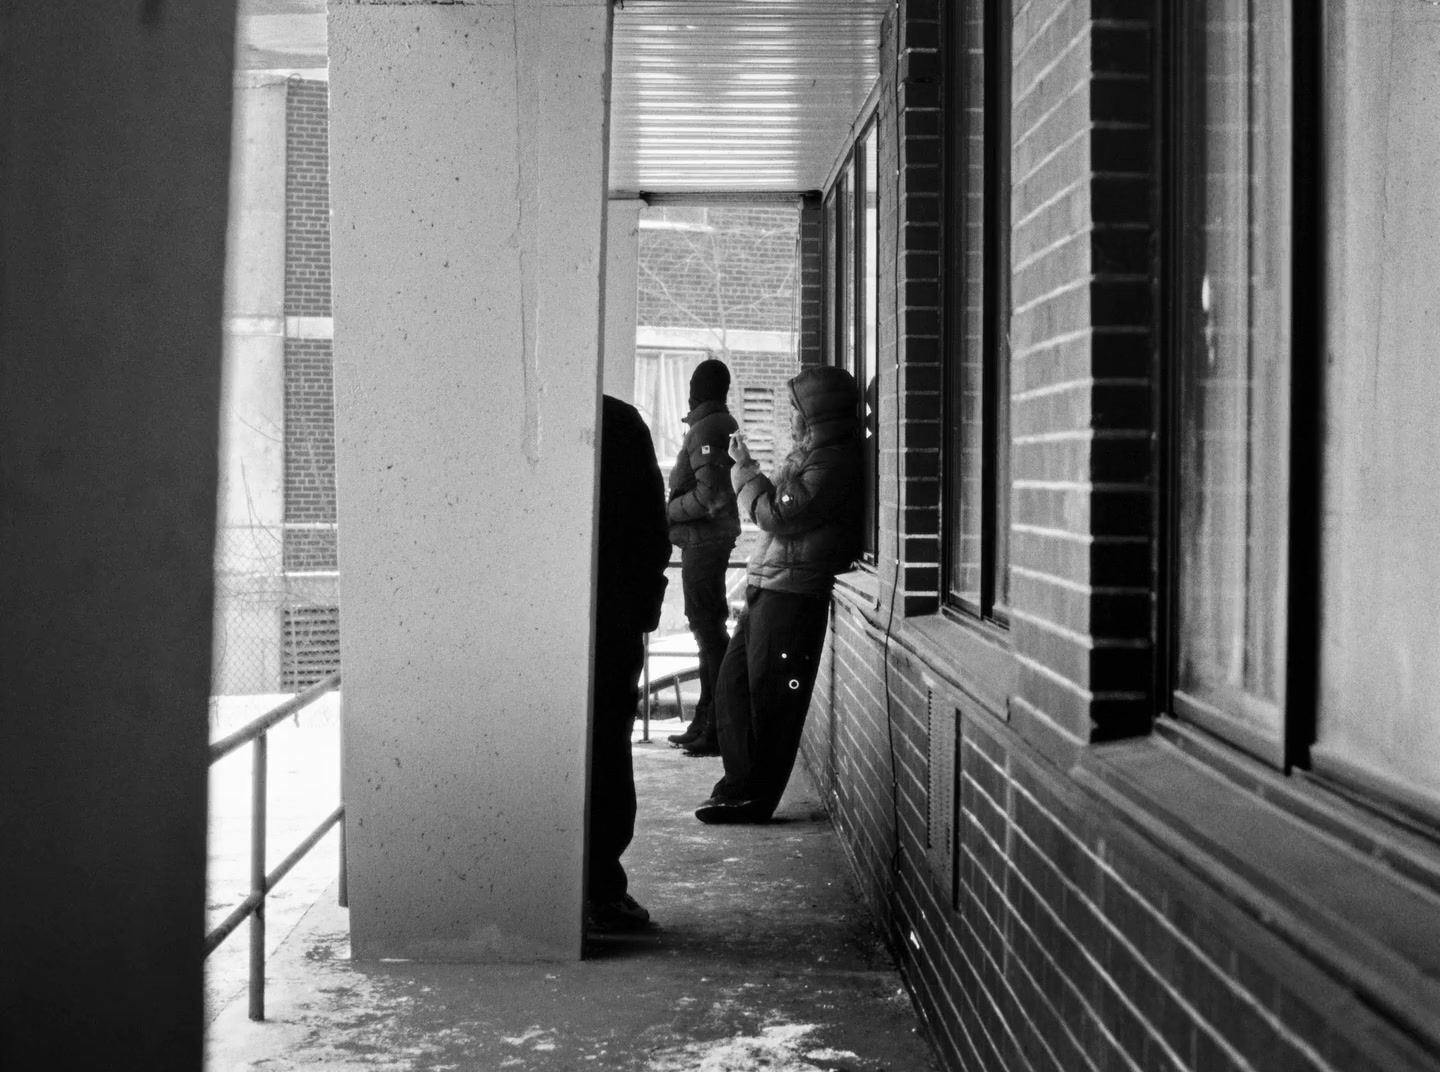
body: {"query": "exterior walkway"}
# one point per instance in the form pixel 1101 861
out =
pixel 763 958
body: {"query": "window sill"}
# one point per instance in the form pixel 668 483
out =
pixel 860 586
pixel 1357 898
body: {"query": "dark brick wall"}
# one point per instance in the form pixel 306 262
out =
pixel 307 199
pixel 1041 920
pixel 812 341
pixel 911 430
pixel 1081 338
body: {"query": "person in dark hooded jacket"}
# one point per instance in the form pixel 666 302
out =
pixel 704 524
pixel 810 518
pixel 629 589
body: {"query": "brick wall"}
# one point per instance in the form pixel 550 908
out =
pixel 911 426
pixel 1042 919
pixel 737 271
pixel 309 384
pixel 309 454
pixel 307 199
pixel 811 343
pixel 1081 338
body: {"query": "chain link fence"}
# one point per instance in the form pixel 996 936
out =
pixel 275 631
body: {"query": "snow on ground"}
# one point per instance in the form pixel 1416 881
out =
pixel 304 787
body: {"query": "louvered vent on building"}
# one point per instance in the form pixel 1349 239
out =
pixel 310 645
pixel 758 419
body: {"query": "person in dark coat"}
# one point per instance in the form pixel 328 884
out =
pixel 704 524
pixel 629 587
pixel 810 518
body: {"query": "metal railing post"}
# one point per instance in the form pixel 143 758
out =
pixel 344 898
pixel 645 688
pixel 257 878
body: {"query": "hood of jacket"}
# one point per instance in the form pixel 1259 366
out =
pixel 829 401
pixel 703 410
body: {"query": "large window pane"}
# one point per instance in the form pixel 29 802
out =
pixel 1380 626
pixel 833 303
pixel 1233 416
pixel 965 291
pixel 869 352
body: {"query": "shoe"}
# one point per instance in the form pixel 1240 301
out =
pixel 707 744
pixel 692 731
pixel 620 916
pixel 699 726
pixel 721 810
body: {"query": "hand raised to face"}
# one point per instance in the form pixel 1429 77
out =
pixel 738 450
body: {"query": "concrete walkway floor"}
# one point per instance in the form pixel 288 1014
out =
pixel 762 957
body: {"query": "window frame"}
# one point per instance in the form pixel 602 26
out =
pixel 990 604
pixel 847 287
pixel 1306 270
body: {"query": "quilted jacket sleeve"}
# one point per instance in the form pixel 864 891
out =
pixel 707 452
pixel 803 496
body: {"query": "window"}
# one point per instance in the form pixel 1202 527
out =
pixel 977 302
pixel 1233 413
pixel 851 229
pixel 867 361
pixel 1305 566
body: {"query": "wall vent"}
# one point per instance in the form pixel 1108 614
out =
pixel 309 645
pixel 757 417
pixel 940 822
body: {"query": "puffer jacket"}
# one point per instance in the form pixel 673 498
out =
pixel 811 514
pixel 701 510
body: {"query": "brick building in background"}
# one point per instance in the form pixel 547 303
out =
pixel 718 281
pixel 277 598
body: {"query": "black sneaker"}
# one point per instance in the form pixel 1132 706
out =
pixel 721 810
pixel 707 744
pixel 620 916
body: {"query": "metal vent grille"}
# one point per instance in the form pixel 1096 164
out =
pixel 309 645
pixel 940 819
pixel 757 413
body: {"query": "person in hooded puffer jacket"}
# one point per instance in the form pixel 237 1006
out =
pixel 810 515
pixel 704 524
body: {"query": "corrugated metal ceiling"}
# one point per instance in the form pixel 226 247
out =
pixel 734 96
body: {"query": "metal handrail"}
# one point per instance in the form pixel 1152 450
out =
pixel 261 882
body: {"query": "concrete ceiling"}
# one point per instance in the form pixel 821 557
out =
pixel 708 96
pixel 737 95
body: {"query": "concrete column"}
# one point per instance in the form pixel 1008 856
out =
pixel 249 549
pixel 622 261
pixel 114 157
pixel 468 191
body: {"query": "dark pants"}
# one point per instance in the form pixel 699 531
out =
pixel 702 580
pixel 619 653
pixel 763 692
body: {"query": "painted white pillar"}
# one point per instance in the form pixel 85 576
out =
pixel 467 149
pixel 249 553
pixel 622 261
